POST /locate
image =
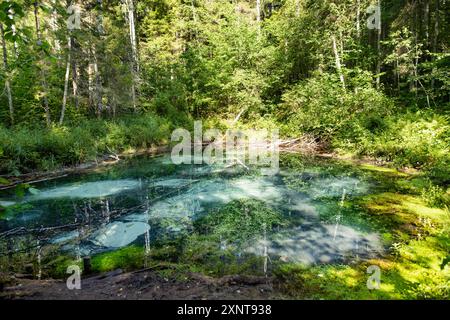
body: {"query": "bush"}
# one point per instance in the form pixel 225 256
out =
pixel 320 106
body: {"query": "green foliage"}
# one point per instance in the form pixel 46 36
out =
pixel 320 106
pixel 26 149
pixel 434 196
pixel 419 139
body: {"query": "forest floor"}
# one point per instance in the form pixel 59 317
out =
pixel 144 285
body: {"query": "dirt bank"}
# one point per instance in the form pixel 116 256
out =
pixel 145 285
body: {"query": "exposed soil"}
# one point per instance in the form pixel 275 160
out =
pixel 143 285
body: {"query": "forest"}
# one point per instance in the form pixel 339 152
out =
pixel 360 81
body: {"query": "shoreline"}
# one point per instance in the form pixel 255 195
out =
pixel 112 159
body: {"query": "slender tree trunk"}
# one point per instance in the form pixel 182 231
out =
pixel 54 26
pixel 15 46
pixel 91 76
pixel 378 71
pixel 358 19
pixel 435 37
pixel 98 87
pixel 426 22
pixel 134 51
pixel 66 81
pixel 6 69
pixel 338 62
pixel 43 75
pixel 75 76
pixel 98 78
pixel 258 14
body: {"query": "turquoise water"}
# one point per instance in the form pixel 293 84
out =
pixel 151 203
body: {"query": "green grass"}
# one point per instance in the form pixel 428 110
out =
pixel 24 149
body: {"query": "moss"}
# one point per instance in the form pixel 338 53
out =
pixel 128 258
pixel 406 211
pixel 384 170
pixel 402 279
pixel 57 267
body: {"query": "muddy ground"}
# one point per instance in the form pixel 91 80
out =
pixel 145 285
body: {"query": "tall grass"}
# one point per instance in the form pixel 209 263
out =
pixel 24 149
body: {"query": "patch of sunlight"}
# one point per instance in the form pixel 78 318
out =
pixel 86 190
pixel 418 207
pixel 349 276
pixel 390 171
pixel 406 207
pixel 387 287
pixel 426 253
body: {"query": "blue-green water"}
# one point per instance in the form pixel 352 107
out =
pixel 151 203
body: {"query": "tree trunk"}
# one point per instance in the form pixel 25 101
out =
pixel 378 71
pixel 426 22
pixel 75 76
pixel 134 51
pixel 54 26
pixel 43 76
pixel 16 48
pixel 6 69
pixel 258 14
pixel 358 19
pixel 338 62
pixel 91 76
pixel 66 81
pixel 435 38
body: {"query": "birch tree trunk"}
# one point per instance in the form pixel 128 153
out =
pixel 358 19
pixel 42 69
pixel 258 14
pixel 91 76
pixel 378 71
pixel 6 69
pixel 16 47
pixel 338 62
pixel 435 37
pixel 54 26
pixel 66 81
pixel 426 22
pixel 75 77
pixel 134 50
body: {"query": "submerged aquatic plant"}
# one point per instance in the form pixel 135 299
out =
pixel 239 221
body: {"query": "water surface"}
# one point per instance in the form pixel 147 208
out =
pixel 149 203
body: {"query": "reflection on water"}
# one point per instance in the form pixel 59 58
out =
pixel 149 200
